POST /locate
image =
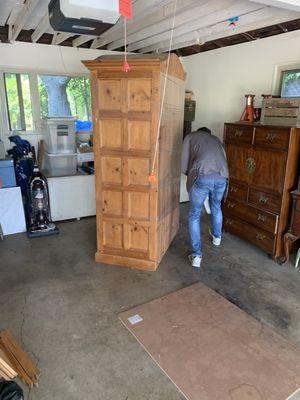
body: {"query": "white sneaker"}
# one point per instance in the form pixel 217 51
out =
pixel 215 241
pixel 195 261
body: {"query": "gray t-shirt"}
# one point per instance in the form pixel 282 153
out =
pixel 202 154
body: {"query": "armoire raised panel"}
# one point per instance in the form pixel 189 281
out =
pixel 136 219
pixel 263 168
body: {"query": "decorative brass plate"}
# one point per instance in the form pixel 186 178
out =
pixel 250 165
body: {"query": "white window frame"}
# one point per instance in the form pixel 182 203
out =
pixel 35 100
pixel 277 76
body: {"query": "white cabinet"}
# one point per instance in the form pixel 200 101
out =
pixel 72 196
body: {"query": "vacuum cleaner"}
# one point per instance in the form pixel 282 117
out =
pixel 40 223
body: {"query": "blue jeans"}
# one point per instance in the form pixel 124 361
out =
pixel 203 187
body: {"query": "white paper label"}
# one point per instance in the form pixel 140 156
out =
pixel 135 319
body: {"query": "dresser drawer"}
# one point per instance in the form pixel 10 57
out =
pixel 257 236
pixel 237 191
pixel 239 134
pixel 277 139
pixel 265 201
pixel 253 215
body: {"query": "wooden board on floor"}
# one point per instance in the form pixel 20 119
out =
pixel 212 350
pixel 18 360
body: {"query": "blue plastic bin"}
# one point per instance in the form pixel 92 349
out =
pixel 7 173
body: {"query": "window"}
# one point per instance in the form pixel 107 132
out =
pixel 18 101
pixel 290 83
pixel 27 97
pixel 64 96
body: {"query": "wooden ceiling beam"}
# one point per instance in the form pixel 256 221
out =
pixel 61 37
pixel 42 28
pixel 17 8
pixel 185 11
pixel 22 17
pixel 219 15
pixel 81 40
pixel 144 13
pixel 258 21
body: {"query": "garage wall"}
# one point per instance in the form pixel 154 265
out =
pixel 220 78
pixel 45 58
pixel 29 57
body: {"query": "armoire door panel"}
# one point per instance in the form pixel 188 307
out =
pixel 137 171
pixel 139 135
pixel 138 239
pixel 139 93
pixel 109 94
pixel 111 169
pixel 237 161
pixel 112 234
pixel 112 203
pixel 137 205
pixel 111 134
pixel 269 170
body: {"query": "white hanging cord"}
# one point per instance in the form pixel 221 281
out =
pixel 125 38
pixel 164 92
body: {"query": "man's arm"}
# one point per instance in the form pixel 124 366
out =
pixel 185 156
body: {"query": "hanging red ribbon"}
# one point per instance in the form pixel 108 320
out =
pixel 125 8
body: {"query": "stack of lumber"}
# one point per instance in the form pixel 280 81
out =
pixel 6 370
pixel 15 362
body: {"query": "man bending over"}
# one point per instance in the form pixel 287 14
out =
pixel 204 162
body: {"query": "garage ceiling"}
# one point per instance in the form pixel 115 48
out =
pixel 200 25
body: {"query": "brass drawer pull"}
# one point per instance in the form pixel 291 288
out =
pixel 228 221
pixel 250 165
pixel 260 237
pixel 270 137
pixel 230 204
pixel 261 218
pixel 263 199
pixel 238 133
pixel 233 189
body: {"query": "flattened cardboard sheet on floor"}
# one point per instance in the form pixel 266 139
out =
pixel 212 350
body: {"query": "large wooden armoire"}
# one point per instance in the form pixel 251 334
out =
pixel 263 166
pixel 136 219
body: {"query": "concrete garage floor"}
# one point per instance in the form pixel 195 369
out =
pixel 63 307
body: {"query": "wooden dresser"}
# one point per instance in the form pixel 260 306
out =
pixel 263 166
pixel 136 220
